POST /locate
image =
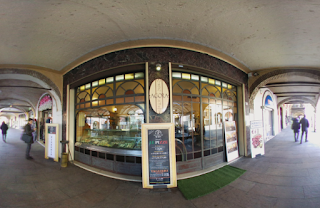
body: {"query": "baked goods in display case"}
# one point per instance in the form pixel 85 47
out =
pixel 112 142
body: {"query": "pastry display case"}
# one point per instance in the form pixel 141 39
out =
pixel 123 139
pixel 109 127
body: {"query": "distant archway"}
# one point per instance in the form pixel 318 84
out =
pixel 276 74
pixel 34 76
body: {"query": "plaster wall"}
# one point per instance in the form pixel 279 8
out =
pixel 260 111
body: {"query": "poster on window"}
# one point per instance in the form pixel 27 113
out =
pixel 256 138
pixel 52 141
pixel 232 149
pixel 158 156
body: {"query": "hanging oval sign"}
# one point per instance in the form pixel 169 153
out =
pixel 159 96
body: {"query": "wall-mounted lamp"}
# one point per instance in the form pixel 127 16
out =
pixel 115 109
pixel 158 67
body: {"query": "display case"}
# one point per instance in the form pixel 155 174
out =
pixel 122 139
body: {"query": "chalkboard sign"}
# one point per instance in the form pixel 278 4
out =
pixel 158 156
pixel 158 150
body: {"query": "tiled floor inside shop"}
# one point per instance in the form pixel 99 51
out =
pixel 287 176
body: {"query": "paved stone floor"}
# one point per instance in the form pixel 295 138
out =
pixel 287 176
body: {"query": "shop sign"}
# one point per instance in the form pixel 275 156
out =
pixel 45 103
pixel 231 140
pixel 158 156
pixel 256 138
pixel 159 96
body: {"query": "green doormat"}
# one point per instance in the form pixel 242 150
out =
pixel 195 187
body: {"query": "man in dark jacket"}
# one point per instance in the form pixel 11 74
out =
pixel 28 130
pixel 296 128
pixel 4 128
pixel 304 128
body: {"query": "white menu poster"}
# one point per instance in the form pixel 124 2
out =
pixel 51 147
pixel 52 141
pixel 256 139
pixel 231 140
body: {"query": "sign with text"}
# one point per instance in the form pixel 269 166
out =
pixel 256 138
pixel 52 141
pixel 158 156
pixel 159 96
pixel 231 140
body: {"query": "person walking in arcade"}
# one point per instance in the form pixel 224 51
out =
pixel 296 128
pixel 4 128
pixel 304 128
pixel 28 131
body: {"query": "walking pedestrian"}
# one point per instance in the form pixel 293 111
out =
pixel 4 128
pixel 28 131
pixel 304 128
pixel 35 127
pixel 296 128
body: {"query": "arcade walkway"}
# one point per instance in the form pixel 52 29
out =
pixel 287 176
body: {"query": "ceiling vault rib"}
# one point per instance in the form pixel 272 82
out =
pixel 298 85
pixel 39 88
pixel 15 105
pixel 293 83
pixel 295 93
pixel 293 96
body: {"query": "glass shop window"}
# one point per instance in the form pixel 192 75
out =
pixel 110 111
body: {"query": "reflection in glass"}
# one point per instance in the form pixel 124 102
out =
pixel 195 129
pixel 187 128
pixel 212 122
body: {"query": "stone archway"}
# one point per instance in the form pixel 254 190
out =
pixel 34 74
pixel 298 99
pixel 276 74
pixel 37 77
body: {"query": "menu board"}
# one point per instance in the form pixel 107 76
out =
pixel 158 150
pixel 158 156
pixel 256 139
pixel 52 141
pixel 231 140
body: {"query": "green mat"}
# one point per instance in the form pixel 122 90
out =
pixel 195 187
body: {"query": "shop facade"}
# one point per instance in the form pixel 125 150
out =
pixel 44 115
pixel 108 101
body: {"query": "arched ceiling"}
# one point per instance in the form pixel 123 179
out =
pixel 259 34
pixel 19 95
pixel 252 35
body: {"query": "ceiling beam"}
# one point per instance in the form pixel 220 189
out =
pixel 39 88
pixel 5 106
pixel 293 83
pixel 296 96
pixel 11 112
pixel 296 93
